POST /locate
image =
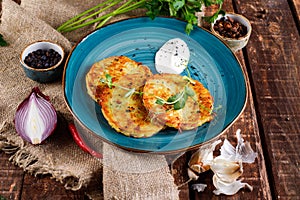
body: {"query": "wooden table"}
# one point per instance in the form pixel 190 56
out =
pixel 271 120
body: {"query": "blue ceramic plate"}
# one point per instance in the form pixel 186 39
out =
pixel 211 62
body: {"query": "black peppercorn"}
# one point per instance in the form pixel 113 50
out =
pixel 42 58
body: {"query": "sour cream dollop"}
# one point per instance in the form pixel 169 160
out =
pixel 172 57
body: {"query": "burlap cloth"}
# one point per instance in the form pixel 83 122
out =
pixel 124 175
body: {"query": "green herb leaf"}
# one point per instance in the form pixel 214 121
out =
pixel 179 100
pixel 181 103
pixel 2 41
pixel 178 4
pixel 174 98
pixel 109 80
pixel 160 102
pixel 2 198
pixel 212 18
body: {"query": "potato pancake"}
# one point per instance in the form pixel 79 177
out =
pixel 116 67
pixel 197 109
pixel 128 115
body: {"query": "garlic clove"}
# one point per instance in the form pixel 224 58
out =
pixel 199 168
pixel 192 175
pixel 226 170
pixel 200 160
pixel 228 188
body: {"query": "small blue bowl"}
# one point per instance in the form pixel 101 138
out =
pixel 45 75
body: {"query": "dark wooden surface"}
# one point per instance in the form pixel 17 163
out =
pixel 271 120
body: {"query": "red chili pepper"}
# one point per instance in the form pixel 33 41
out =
pixel 81 144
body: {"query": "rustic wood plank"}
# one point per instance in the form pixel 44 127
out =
pixel 255 174
pixel 296 5
pixel 11 178
pixel 273 55
pixel 42 187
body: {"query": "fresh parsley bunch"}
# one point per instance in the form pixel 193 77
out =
pixel 180 9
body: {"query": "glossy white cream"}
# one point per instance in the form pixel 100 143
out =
pixel 172 57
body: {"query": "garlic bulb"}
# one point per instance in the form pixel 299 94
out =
pixel 227 167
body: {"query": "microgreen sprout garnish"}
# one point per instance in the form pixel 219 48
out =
pixel 178 100
pixel 110 84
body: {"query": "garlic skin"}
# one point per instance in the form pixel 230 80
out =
pixel 243 151
pixel 228 188
pixel 201 159
pixel 199 187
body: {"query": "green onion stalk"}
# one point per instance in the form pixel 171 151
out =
pixel 84 18
pixel 181 9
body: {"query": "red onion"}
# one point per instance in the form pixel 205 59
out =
pixel 35 118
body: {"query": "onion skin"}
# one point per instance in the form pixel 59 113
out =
pixel 35 119
pixel 81 144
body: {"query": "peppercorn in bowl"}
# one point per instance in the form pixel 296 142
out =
pixel 42 61
pixel 233 29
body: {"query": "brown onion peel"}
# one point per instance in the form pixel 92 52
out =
pixel 36 118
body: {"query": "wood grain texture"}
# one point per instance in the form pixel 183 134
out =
pixel 11 179
pixel 42 187
pixel 296 5
pixel 255 174
pixel 274 64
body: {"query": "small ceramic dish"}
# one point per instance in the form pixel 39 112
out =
pixel 48 72
pixel 235 44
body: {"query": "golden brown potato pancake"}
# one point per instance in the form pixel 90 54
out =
pixel 128 115
pixel 116 67
pixel 197 110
